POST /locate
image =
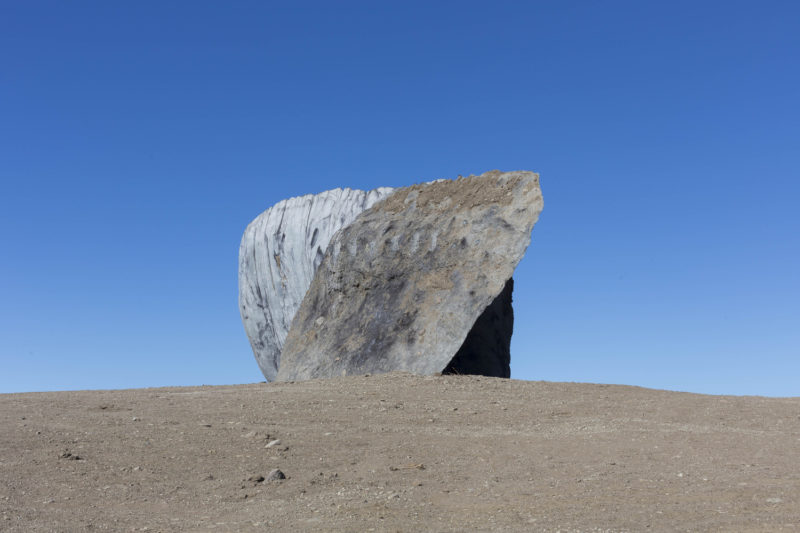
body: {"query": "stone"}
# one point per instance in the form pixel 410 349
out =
pixel 70 456
pixel 278 256
pixel 402 286
pixel 275 475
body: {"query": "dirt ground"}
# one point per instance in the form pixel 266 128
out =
pixel 399 453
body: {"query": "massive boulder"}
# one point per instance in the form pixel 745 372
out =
pixel 402 287
pixel 280 251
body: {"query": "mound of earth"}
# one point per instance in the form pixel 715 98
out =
pixel 398 452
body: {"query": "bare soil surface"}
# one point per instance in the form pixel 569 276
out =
pixel 399 453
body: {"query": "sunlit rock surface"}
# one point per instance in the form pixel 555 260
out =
pixel 401 287
pixel 280 251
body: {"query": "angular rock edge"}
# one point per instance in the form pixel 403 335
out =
pixel 402 286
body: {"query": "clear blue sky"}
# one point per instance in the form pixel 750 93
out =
pixel 138 139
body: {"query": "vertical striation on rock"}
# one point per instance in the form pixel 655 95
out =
pixel 402 286
pixel 278 256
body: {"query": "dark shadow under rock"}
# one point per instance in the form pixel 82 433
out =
pixel 487 349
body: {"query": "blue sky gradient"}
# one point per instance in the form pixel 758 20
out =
pixel 138 139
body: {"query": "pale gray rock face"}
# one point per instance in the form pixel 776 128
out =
pixel 280 251
pixel 402 286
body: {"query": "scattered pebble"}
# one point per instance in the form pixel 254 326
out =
pixel 412 466
pixel 70 456
pixel 275 475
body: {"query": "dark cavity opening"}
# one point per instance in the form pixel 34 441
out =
pixel 486 350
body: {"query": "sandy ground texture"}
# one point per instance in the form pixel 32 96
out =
pixel 399 453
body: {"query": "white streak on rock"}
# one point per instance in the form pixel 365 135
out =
pixel 414 243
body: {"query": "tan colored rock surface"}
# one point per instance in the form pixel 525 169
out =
pixel 402 285
pixel 399 453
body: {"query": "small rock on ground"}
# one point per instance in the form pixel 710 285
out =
pixel 275 475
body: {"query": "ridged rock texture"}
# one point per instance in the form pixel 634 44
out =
pixel 279 254
pixel 402 286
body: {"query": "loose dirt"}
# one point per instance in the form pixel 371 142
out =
pixel 398 453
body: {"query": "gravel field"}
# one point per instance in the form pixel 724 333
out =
pixel 397 452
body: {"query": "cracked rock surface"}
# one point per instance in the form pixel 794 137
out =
pixel 401 286
pixel 279 253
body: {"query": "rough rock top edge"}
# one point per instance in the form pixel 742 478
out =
pixel 401 286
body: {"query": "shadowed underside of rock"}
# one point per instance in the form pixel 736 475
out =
pixel 402 286
pixel 280 251
pixel 487 349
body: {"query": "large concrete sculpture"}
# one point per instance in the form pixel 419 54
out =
pixel 419 282
pixel 280 251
